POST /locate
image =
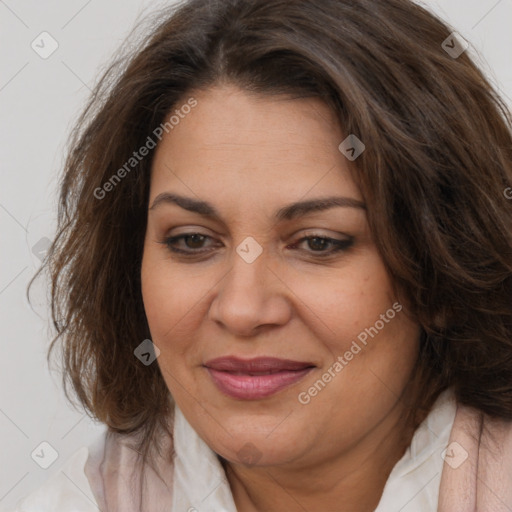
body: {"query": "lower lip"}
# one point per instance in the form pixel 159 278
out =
pixel 254 387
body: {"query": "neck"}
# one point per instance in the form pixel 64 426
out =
pixel 350 480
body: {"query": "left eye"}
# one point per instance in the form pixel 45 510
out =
pixel 324 245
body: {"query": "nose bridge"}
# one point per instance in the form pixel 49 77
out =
pixel 250 294
pixel 248 279
pixel 250 265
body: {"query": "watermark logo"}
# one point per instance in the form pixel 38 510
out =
pixel 249 454
pixel 352 147
pixel 44 45
pixel 455 45
pixel 249 250
pixel 454 455
pixel 44 455
pixel 508 193
pixel 147 352
pixel 40 248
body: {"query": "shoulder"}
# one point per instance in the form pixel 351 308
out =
pixel 478 463
pixel 68 489
pixel 107 475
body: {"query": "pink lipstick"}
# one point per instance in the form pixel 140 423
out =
pixel 253 379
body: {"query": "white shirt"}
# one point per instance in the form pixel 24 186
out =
pixel 200 482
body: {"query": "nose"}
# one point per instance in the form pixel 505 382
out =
pixel 250 298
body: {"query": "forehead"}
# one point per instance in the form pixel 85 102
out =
pixel 231 138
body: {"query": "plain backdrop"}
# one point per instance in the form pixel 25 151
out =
pixel 39 100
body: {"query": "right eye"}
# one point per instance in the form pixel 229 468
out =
pixel 187 243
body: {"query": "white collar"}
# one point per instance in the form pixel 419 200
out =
pixel 200 482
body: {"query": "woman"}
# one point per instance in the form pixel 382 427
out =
pixel 283 272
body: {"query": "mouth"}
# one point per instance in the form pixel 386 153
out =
pixel 254 379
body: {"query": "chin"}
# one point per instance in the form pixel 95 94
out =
pixel 250 450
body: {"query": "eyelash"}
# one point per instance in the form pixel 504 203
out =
pixel 338 245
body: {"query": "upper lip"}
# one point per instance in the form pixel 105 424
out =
pixel 257 364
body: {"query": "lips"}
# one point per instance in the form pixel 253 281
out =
pixel 253 379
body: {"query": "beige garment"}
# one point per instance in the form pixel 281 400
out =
pixel 482 482
pixel 114 474
pixel 475 477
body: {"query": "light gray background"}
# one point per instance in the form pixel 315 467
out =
pixel 39 100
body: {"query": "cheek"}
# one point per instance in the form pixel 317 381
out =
pixel 359 319
pixel 170 292
pixel 345 301
pixel 172 305
pixel 169 299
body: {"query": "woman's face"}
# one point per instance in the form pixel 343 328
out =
pixel 280 337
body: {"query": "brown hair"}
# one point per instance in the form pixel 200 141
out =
pixel 437 160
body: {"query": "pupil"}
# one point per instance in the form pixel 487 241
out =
pixel 317 243
pixel 195 241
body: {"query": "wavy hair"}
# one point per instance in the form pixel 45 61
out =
pixel 437 162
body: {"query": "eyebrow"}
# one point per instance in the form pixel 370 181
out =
pixel 287 212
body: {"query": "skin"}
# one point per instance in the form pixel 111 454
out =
pixel 249 156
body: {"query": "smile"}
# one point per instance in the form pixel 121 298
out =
pixel 257 378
